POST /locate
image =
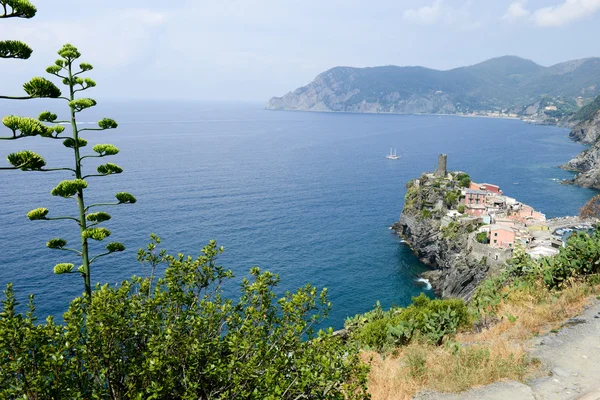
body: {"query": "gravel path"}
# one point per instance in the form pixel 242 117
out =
pixel 571 358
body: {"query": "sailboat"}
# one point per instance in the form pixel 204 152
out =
pixel 392 156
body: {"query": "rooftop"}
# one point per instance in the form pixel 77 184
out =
pixel 496 227
pixel 472 191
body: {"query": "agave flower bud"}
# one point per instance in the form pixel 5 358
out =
pixel 106 149
pixel 14 49
pixel 47 116
pixel 69 142
pixel 82 104
pixel 109 169
pixel 26 160
pixel 107 123
pixel 69 188
pixel 63 268
pixel 41 88
pixel 98 217
pixel 125 198
pixel 115 247
pixel 56 243
pixel 96 233
pixel 37 214
pixel 69 52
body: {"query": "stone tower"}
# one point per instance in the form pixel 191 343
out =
pixel 441 172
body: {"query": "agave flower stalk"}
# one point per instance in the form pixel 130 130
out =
pixel 48 126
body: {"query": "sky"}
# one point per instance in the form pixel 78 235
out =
pixel 251 50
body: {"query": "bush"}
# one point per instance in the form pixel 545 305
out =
pixel 425 213
pixel 461 208
pixel 432 320
pixel 482 237
pixel 463 179
pixel 451 198
pixel 580 257
pixel 180 338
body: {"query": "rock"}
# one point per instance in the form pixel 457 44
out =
pixel 560 372
pixel 587 163
pixel 574 321
pixel 504 390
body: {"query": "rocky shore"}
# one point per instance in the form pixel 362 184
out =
pixel 586 163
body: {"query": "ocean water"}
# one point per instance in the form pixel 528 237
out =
pixel 309 196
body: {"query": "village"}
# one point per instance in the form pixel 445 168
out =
pixel 502 222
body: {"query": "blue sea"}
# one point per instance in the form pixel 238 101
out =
pixel 309 196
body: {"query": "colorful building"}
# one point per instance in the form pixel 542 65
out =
pixel 502 236
pixel 475 196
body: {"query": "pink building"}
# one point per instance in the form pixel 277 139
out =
pixel 486 187
pixel 475 210
pixel 502 236
pixel 475 197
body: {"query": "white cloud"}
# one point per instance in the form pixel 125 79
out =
pixel 557 15
pixel 439 12
pixel 516 11
pixel 426 15
pixel 109 40
pixel 566 13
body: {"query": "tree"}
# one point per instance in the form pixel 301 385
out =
pixel 37 87
pixel 591 209
pixel 182 338
pixel 463 179
pixel 87 221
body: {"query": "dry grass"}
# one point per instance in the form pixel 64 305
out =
pixel 479 358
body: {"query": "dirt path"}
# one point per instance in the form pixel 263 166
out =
pixel 570 358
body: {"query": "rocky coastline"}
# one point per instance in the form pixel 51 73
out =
pixel 467 231
pixel 587 163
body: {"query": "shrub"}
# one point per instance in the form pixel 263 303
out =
pixel 180 338
pixel 482 237
pixel 432 320
pixel 461 208
pixel 451 198
pixel 463 179
pixel 425 213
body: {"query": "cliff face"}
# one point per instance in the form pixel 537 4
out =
pixel 587 163
pixel 455 273
pixel 447 246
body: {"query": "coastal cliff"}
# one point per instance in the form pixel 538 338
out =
pixel 446 244
pixel 587 131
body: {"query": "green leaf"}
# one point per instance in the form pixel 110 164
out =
pixel 125 198
pixel 115 247
pixel 98 217
pixel 106 149
pixel 14 49
pixel 37 214
pixel 107 123
pixel 69 188
pixel 56 243
pixel 64 268
pixel 26 160
pixel 109 169
pixel 41 88
pixel 96 233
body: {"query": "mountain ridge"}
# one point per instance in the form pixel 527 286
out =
pixel 506 84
